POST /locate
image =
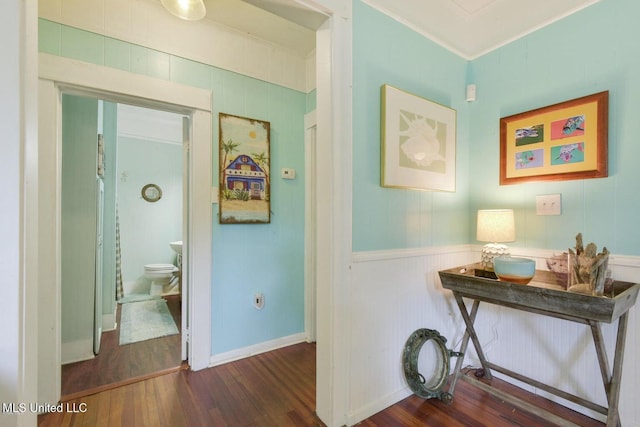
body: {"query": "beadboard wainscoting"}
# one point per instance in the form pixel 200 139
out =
pixel 394 293
pixel 398 291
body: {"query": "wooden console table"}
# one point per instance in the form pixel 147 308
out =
pixel 544 295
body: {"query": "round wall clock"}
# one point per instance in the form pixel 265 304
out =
pixel 151 193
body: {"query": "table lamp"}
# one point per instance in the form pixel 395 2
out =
pixel 495 226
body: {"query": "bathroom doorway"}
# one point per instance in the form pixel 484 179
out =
pixel 59 76
pixel 132 221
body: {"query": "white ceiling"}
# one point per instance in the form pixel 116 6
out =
pixel 468 28
pixel 471 28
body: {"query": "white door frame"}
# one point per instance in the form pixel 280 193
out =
pixel 58 75
pixel 333 213
pixel 311 179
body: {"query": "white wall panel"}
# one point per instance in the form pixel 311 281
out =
pixel 86 14
pixel 393 295
pixel 396 292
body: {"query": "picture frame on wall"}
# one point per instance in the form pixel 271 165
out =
pixel 244 167
pixel 564 141
pixel 418 142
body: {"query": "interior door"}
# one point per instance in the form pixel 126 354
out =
pixel 97 323
pixel 310 269
pixel 78 227
pixel 184 269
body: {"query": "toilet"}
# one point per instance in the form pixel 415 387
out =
pixel 160 275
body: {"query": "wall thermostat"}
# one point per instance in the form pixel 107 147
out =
pixel 288 173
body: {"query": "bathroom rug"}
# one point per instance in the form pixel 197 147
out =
pixel 145 320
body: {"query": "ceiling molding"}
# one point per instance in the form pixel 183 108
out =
pixel 472 28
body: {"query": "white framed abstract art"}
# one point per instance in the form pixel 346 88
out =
pixel 418 147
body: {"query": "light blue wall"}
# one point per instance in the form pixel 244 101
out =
pixel 265 258
pixel 386 52
pixel 147 228
pixel 588 52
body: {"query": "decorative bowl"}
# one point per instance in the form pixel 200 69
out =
pixel 514 269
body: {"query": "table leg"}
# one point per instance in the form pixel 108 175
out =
pixel 613 395
pixel 472 334
pixel 463 349
pixel 601 352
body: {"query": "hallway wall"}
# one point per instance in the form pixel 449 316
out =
pixel 277 249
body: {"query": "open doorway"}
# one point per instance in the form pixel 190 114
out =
pixel 131 222
pixel 60 76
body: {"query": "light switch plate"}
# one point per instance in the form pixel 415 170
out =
pixel 548 204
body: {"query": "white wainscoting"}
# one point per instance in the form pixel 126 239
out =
pixel 396 292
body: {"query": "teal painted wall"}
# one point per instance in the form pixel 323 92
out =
pixel 585 53
pixel 588 52
pixel 272 255
pixel 386 52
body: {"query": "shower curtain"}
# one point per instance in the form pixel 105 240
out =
pixel 119 288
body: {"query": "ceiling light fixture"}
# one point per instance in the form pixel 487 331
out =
pixel 191 10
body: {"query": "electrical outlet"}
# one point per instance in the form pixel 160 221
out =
pixel 258 301
pixel 548 204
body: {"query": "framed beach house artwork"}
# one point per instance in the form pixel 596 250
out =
pixel 244 170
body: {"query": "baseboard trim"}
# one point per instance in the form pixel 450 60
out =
pixel 77 351
pixel 368 410
pixel 109 321
pixel 241 353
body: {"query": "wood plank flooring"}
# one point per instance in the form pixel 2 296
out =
pixel 116 364
pixel 278 389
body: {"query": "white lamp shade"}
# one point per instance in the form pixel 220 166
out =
pixel 191 10
pixel 496 226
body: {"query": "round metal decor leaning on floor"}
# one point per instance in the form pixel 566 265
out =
pixel 417 382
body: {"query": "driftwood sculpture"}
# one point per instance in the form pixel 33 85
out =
pixel 587 269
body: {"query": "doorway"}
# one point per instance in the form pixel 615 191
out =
pixel 60 76
pixel 129 232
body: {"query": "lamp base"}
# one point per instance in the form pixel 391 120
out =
pixel 491 251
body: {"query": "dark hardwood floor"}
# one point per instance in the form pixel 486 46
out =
pixel 116 364
pixel 278 389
